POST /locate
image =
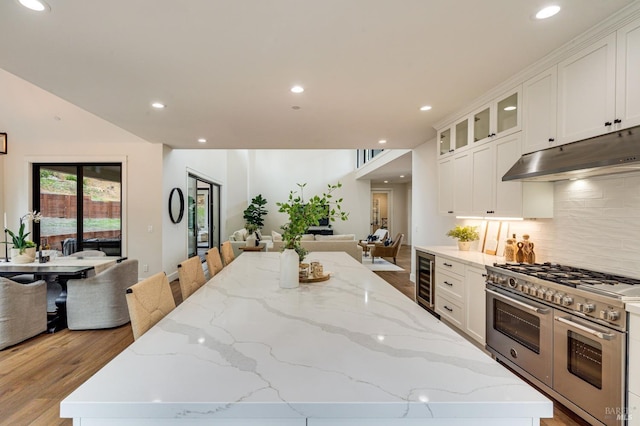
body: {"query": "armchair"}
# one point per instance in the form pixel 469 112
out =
pixel 23 311
pixel 380 250
pixel 380 235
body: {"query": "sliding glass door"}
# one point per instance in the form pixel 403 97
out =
pixel 80 205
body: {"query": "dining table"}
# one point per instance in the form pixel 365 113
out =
pixel 350 350
pixel 59 269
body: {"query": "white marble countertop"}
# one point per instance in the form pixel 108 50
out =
pixel 474 258
pixel 349 347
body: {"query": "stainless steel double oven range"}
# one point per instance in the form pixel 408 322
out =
pixel 564 329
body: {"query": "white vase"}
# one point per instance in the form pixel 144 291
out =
pixel 28 256
pixel 464 245
pixel 251 240
pixel 289 261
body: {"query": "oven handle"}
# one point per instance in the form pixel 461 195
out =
pixel 519 303
pixel 599 334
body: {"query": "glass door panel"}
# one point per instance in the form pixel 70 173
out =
pixel 445 141
pixel 192 219
pixel 508 113
pixel 101 212
pixel 58 206
pixel 462 134
pixel 481 125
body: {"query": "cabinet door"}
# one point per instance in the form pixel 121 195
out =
pixel 462 182
pixel 475 305
pixel 445 146
pixel 508 195
pixel 462 134
pixel 628 75
pixel 539 99
pixel 483 201
pixel 481 125
pixel 508 114
pixel 445 186
pixel 586 92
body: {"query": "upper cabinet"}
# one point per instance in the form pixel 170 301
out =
pixel 586 92
pixel 454 137
pixel 539 110
pixel 628 75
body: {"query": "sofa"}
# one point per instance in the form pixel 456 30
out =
pixel 311 243
pixel 239 239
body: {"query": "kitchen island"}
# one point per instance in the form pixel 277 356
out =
pixel 348 351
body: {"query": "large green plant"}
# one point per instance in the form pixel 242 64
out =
pixel 303 214
pixel 254 214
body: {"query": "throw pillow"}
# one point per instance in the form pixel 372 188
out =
pixel 307 237
pixel 337 237
pixel 239 235
pixel 388 242
pixel 275 236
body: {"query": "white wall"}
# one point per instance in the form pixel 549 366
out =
pixel 43 127
pixel 276 172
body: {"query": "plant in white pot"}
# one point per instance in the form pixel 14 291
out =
pixel 465 235
pixel 302 215
pixel 23 251
pixel 254 218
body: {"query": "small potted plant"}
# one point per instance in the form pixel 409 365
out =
pixel 465 236
pixel 254 219
pixel 23 251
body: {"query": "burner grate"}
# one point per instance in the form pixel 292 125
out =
pixel 568 275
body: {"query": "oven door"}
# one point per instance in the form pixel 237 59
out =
pixel 589 367
pixel 519 332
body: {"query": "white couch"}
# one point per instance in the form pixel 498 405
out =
pixel 311 243
pixel 239 239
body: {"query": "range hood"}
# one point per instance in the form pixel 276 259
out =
pixel 614 152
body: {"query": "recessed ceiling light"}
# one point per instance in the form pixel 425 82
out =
pixel 509 108
pixel 386 181
pixel 37 5
pixel 382 141
pixel 547 12
pixel 202 140
pixel 297 89
pixel 401 176
pixel 158 105
pixel 425 108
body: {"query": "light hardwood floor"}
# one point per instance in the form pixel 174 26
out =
pixel 37 374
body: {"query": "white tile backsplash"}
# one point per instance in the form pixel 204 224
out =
pixel 596 225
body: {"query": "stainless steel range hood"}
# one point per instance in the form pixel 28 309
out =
pixel 615 152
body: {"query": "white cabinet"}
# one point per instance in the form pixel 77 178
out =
pixel 454 184
pixel 539 110
pixel 500 118
pixel 483 200
pixel 475 303
pixel 460 298
pixel 628 75
pixel 586 92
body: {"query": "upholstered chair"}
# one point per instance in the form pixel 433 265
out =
pixel 99 301
pixel 226 250
pixel 191 276
pixel 23 311
pixel 380 250
pixel 149 301
pixel 88 253
pixel 214 261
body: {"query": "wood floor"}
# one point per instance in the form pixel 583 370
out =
pixel 37 374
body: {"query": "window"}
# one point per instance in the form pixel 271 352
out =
pixel 79 199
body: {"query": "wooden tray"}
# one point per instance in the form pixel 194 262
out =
pixel 325 277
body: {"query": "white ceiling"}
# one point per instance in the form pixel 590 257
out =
pixel 224 68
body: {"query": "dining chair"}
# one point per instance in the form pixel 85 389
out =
pixel 380 250
pixel 226 250
pixel 191 276
pixel 23 311
pixel 99 301
pixel 88 253
pixel 148 302
pixel 214 261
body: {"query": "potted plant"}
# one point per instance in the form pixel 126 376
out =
pixel 303 214
pixel 23 251
pixel 465 235
pixel 254 218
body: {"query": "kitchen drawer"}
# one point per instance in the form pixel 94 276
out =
pixel 634 353
pixel 448 265
pixel 452 285
pixel 450 310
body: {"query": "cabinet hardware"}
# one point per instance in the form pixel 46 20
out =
pixel 450 211
pixel 617 121
pixel 447 264
pixel 448 308
pixel 608 123
pixel 451 150
pixel 484 275
pixel 448 283
pixel 552 140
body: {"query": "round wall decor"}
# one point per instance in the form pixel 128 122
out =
pixel 176 205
